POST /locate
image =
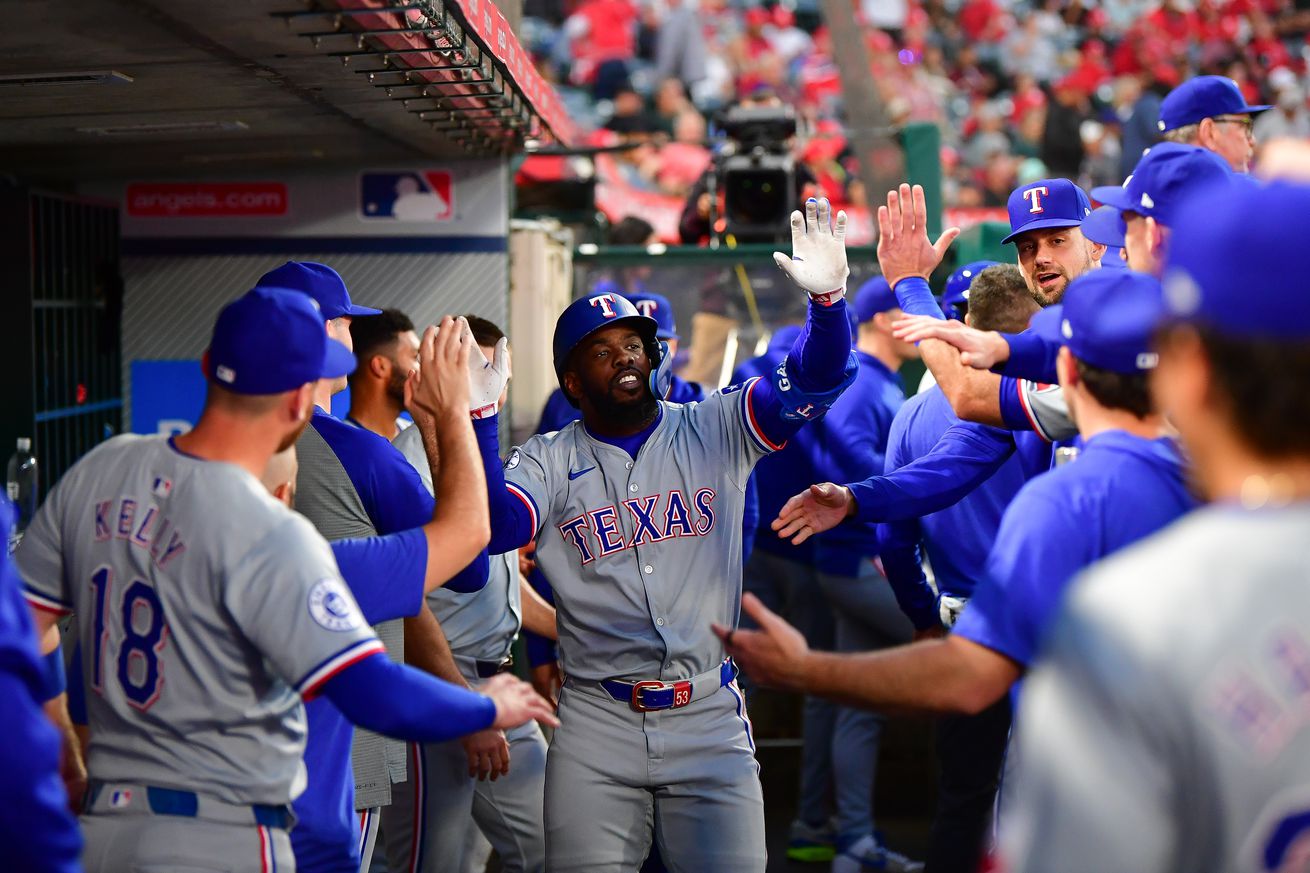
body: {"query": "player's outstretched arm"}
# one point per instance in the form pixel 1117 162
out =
pixel 819 508
pixel 951 675
pixel 980 349
pixel 401 702
pixel 460 527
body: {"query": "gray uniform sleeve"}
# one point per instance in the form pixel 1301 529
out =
pixel 289 599
pixel 727 420
pixel 531 481
pixel 1093 790
pixel 1047 410
pixel 40 556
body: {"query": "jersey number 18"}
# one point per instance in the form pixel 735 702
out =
pixel 144 632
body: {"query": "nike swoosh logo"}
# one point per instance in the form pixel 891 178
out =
pixel 573 475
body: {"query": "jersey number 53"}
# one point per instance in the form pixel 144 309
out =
pixel 143 629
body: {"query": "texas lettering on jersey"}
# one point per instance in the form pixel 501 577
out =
pixel 596 533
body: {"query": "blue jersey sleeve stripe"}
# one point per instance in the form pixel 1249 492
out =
pixel 1028 411
pixel 45 602
pixel 748 416
pixel 527 500
pixel 326 669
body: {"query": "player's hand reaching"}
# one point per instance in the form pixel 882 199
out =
pixel 818 252
pixel 774 655
pixel 487 379
pixel 548 679
pixel 516 703
pixel 441 388
pixel 980 349
pixel 818 508
pixel 488 754
pixel 904 249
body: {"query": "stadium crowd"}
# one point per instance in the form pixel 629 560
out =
pixel 1019 90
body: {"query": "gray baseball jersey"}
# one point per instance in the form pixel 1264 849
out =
pixel 205 609
pixel 481 625
pixel 1168 726
pixel 643 553
pixel 1041 407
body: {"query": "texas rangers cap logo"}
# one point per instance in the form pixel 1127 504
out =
pixel 647 307
pixel 1034 197
pixel 330 606
pixel 606 304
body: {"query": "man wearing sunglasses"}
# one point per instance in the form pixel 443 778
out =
pixel 1210 112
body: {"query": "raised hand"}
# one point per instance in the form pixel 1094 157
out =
pixel 904 249
pixel 820 507
pixel 818 252
pixel 516 703
pixel 441 388
pixel 487 379
pixel 980 349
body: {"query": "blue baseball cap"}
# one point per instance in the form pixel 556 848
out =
pixel 1162 179
pixel 1114 258
pixel 1107 319
pixel 271 340
pixel 319 281
pixel 658 307
pixel 1235 269
pixel 957 287
pixel 1105 226
pixel 874 296
pixel 1203 97
pixel 1046 203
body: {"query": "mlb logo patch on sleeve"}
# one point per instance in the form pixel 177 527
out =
pixel 426 195
pixel 162 487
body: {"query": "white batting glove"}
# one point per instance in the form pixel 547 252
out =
pixel 487 380
pixel 818 252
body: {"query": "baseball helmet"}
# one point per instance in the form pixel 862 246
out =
pixel 956 292
pixel 586 315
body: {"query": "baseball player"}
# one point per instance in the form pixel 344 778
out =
pixel 1058 524
pixel 196 723
pixel 39 832
pixel 1210 112
pixel 385 347
pixel 1137 216
pixel 636 511
pixel 559 411
pixel 851 442
pixel 353 483
pixel 436 807
pixel 1160 738
pixel 958 538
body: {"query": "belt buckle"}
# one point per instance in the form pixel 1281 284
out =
pixel 637 688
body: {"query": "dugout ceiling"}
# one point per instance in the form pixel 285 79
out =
pixel 201 87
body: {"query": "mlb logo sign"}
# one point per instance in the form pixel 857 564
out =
pixel 422 196
pixel 162 487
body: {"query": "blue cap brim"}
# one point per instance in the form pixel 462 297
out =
pixel 1254 109
pixel 1113 195
pixel 1105 226
pixel 666 334
pixel 1040 224
pixel 355 311
pixel 338 361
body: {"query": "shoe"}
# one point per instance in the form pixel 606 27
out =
pixel 866 855
pixel 809 844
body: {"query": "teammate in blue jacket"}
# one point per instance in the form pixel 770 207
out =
pixel 1155 736
pixel 636 512
pixel 1058 524
pixel 39 831
pixel 851 442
